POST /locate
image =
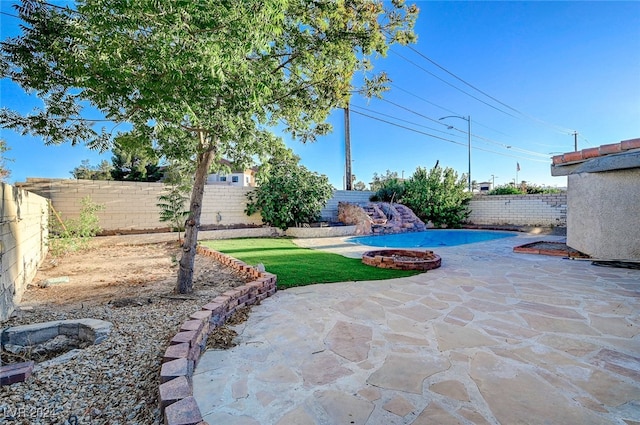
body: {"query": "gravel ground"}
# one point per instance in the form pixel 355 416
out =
pixel 116 381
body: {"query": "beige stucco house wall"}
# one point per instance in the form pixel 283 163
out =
pixel 603 199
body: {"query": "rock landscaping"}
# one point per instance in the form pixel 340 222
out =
pixel 116 381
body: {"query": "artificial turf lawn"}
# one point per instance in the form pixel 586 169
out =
pixel 297 266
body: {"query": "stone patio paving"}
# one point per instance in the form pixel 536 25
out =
pixel 491 337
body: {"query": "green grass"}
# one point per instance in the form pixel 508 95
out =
pixel 297 266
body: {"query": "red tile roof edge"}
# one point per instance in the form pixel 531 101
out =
pixel 584 154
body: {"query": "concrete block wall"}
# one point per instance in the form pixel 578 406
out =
pixel 23 243
pixel 519 210
pixel 132 205
pixel 330 211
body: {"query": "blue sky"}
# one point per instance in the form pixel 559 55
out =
pixel 556 67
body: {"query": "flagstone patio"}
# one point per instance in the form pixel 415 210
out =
pixel 491 337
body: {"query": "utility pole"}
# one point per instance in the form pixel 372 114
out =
pixel 347 146
pixel 575 141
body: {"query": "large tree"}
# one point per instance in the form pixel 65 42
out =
pixel 198 80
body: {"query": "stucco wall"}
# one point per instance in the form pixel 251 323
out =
pixel 605 214
pixel 23 237
pixel 520 210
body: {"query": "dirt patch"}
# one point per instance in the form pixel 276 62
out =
pixel 123 275
pixel 559 249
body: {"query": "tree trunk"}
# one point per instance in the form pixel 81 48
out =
pixel 187 261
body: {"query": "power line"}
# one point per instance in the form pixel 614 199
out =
pixel 447 140
pixel 504 145
pixel 449 84
pixel 9 14
pixel 445 109
pixel 410 129
pixel 550 125
pixel 398 119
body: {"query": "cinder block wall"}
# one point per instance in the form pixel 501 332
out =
pixel 330 211
pixel 23 243
pixel 132 205
pixel 520 210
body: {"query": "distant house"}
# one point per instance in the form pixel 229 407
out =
pixel 484 187
pixel 246 178
pixel 603 199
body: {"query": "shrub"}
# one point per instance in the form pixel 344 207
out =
pixel 388 187
pixel 506 190
pixel 74 234
pixel 437 195
pixel 288 194
pixel 391 190
pixel 172 202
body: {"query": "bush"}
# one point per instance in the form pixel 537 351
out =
pixel 288 194
pixel 172 202
pixel 74 234
pixel 388 187
pixel 390 190
pixel 437 195
pixel 506 190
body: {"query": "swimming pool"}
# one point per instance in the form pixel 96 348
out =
pixel 431 238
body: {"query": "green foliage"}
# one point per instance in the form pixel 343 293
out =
pixel 359 185
pixel 437 195
pixel 297 266
pixel 524 189
pixel 390 189
pixel 506 190
pixel 134 162
pixel 288 194
pixel 4 171
pixel 74 234
pixel 535 189
pixel 86 171
pixel 196 80
pixel 378 181
pixel 172 202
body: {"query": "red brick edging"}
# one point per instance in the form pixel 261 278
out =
pixel 176 386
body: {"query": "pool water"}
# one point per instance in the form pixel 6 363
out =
pixel 431 238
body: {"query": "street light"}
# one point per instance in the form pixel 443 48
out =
pixel 468 120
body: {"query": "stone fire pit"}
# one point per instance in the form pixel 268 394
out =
pixel 402 259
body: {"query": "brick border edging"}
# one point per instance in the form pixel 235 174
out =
pixel 386 259
pixel 177 404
